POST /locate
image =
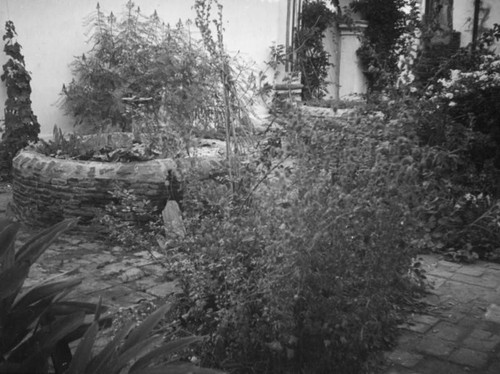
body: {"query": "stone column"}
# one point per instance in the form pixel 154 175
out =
pixel 350 73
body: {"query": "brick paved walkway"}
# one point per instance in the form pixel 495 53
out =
pixel 460 331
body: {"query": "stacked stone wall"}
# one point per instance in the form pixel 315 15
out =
pixel 46 190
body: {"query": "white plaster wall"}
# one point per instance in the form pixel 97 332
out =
pixel 351 78
pixel 463 13
pixel 490 14
pixel 52 32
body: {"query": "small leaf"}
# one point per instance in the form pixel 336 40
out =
pixel 7 241
pixel 143 330
pixel 105 358
pixel 33 249
pixel 83 352
pixel 45 291
pixel 136 351
pixel 165 350
pixel 59 329
pixel 12 279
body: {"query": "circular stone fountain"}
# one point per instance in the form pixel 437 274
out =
pixel 48 189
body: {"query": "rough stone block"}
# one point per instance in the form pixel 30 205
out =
pixel 474 271
pixel 164 289
pixel 441 273
pixel 481 340
pixel 448 331
pixel 435 347
pixel 403 358
pixel 424 318
pixel 431 365
pixel 476 281
pixel 131 274
pixel 469 357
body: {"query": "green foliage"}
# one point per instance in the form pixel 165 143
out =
pixel 384 40
pixel 130 222
pixel 304 273
pixel 468 89
pixel 76 147
pixel 312 59
pixel 457 211
pixel 21 125
pixel 61 146
pixel 36 324
pixel 144 76
pixel 135 350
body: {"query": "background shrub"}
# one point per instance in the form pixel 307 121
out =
pixel 21 125
pixel 144 76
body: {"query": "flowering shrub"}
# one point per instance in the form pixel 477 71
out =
pixel 470 93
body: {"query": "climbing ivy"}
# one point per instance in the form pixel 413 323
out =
pixel 21 125
pixel 388 22
pixel 312 59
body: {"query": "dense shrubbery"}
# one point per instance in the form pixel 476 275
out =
pixel 307 275
pixel 389 36
pixel 312 60
pixel 132 223
pixel 144 76
pixel 468 90
pixel 96 148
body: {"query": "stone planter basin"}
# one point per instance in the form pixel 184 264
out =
pixel 47 189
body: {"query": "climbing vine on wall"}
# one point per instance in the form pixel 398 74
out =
pixel 21 125
pixel 312 59
pixel 388 21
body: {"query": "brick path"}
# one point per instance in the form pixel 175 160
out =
pixel 460 330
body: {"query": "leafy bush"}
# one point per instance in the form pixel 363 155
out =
pixel 147 77
pixel 37 324
pixel 312 59
pixel 470 97
pixel 76 147
pixel 306 273
pixel 132 223
pixel 135 350
pixel 388 40
pixel 458 164
pixel 21 125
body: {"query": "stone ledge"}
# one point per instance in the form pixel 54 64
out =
pixel 46 189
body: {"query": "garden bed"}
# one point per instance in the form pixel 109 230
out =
pixel 48 189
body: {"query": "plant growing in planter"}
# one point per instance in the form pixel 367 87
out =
pixel 21 125
pixel 144 76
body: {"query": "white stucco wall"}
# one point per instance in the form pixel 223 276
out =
pixel 52 32
pixel 463 13
pixel 352 81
